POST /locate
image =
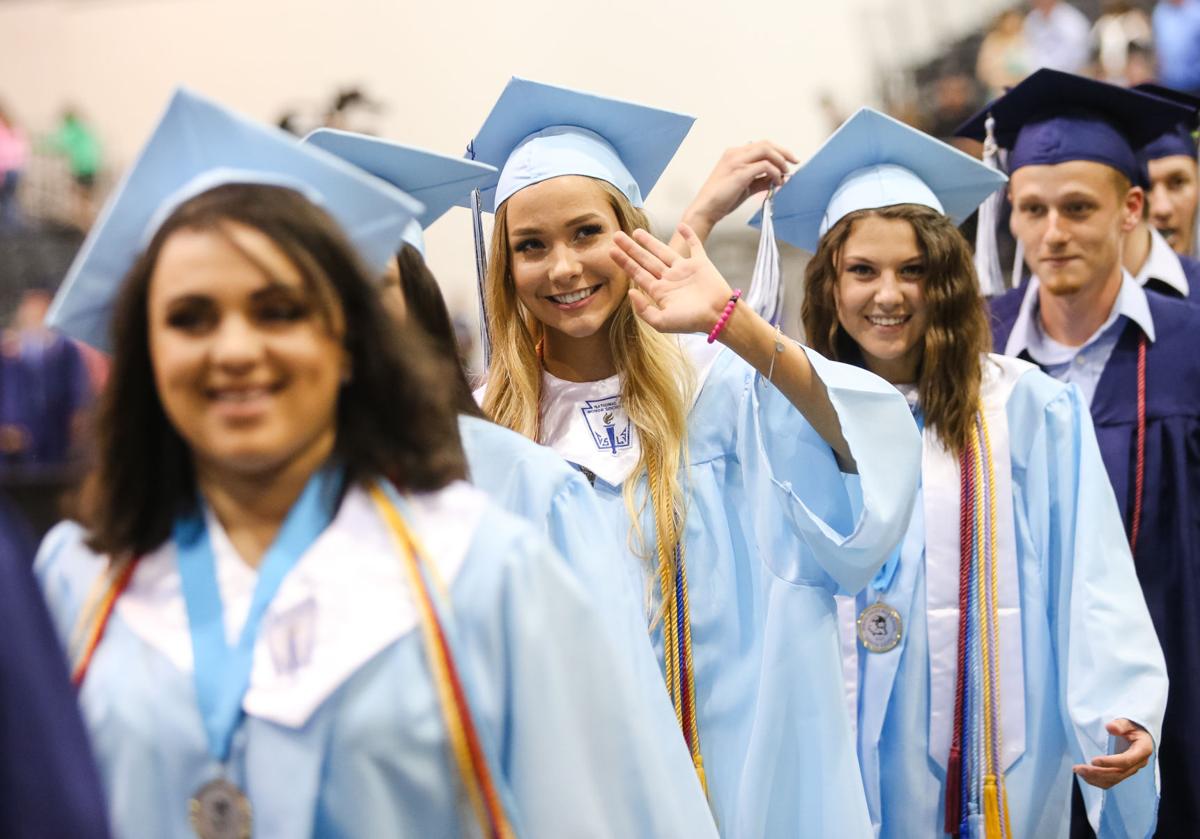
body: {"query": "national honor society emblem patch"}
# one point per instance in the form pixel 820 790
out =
pixel 608 423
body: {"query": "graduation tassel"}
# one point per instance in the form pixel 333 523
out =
pixel 991 808
pixel 766 286
pixel 987 255
pixel 953 791
pixel 485 336
pixel 1018 267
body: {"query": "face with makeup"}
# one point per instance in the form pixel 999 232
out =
pixel 247 362
pixel 1071 219
pixel 1172 200
pixel 559 235
pixel 880 296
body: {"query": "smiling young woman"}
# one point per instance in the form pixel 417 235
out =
pixel 964 654
pixel 719 466
pixel 880 290
pixel 288 614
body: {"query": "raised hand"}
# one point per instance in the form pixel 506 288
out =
pixel 1109 770
pixel 741 172
pixel 672 293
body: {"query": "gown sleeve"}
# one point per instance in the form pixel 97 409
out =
pixel 1110 664
pixel 849 523
pixel 582 752
pixel 48 782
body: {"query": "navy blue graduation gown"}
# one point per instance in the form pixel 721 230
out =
pixel 1191 270
pixel 1168 548
pixel 48 783
pixel 41 391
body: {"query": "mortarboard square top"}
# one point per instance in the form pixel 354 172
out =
pixel 537 131
pixel 874 161
pixel 436 180
pixel 198 145
pixel 1180 139
pixel 1055 117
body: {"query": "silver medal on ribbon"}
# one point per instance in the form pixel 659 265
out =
pixel 879 627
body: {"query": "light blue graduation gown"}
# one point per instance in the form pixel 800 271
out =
pixel 1090 653
pixel 771 534
pixel 343 734
pixel 534 483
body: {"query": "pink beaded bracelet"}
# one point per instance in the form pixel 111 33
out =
pixel 724 319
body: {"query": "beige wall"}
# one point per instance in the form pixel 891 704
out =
pixel 747 69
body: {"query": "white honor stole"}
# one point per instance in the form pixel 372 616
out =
pixel 941 478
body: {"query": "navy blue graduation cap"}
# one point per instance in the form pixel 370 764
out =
pixel 538 131
pixel 1181 138
pixel 197 146
pixel 1054 117
pixel 436 180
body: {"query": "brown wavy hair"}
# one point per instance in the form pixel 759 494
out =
pixel 395 418
pixel 958 334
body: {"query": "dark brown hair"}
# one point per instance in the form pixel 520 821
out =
pixel 394 417
pixel 958 333
pixel 425 305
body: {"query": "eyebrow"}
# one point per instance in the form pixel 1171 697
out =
pixel 580 219
pixel 272 287
pixel 853 257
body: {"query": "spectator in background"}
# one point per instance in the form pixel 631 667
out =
pixel 954 101
pixel 44 388
pixel 1120 29
pixel 1003 56
pixel 1057 35
pixel 14 154
pixel 1177 35
pixel 76 140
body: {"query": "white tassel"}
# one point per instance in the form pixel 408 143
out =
pixel 766 286
pixel 1018 269
pixel 987 254
pixel 485 338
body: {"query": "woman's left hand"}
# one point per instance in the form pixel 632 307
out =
pixel 671 292
pixel 1107 771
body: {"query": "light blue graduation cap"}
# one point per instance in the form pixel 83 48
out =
pixel 436 180
pixel 196 146
pixel 875 161
pixel 538 131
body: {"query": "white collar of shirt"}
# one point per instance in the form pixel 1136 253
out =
pixel 586 424
pixel 1027 333
pixel 1163 264
pixel 344 602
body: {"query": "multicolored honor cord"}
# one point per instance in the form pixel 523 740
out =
pixel 95 615
pixel 468 749
pixel 976 797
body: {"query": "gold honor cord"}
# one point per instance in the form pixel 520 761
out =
pixel 677 629
pixel 995 797
pixel 1002 824
pixel 464 738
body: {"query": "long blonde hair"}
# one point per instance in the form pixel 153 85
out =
pixel 656 383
